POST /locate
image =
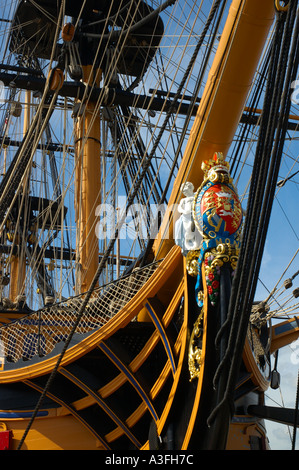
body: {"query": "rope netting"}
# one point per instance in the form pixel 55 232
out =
pixel 38 333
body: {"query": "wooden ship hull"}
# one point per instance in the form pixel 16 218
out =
pixel 126 385
pixel 133 366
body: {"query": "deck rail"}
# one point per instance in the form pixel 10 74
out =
pixel 37 334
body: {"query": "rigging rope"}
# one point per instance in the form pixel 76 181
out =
pixel 255 316
pixel 242 139
pixel 12 179
pixel 130 201
pixel 283 70
pixel 191 106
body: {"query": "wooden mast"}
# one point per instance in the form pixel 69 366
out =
pixel 18 261
pixel 88 186
pixel 223 99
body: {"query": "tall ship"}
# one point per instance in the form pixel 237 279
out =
pixel 148 223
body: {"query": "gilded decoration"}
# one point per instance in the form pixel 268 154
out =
pixel 195 348
pixel 192 262
pixel 214 212
pixel 213 260
pixel 217 211
pixel 217 214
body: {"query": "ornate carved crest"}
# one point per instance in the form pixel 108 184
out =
pixel 217 214
pixel 217 210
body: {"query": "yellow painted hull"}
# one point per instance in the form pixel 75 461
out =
pixel 135 392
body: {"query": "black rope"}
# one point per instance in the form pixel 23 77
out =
pixel 243 137
pixel 191 105
pixel 121 222
pixel 258 181
pixel 148 160
pixel 18 166
pixel 282 71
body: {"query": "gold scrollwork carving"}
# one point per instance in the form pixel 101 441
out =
pixel 200 296
pixel 192 262
pixel 223 253
pixel 195 350
pixel 219 177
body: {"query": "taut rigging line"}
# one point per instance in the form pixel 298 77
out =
pixel 130 201
pixel 282 72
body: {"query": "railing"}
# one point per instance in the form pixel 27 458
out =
pixel 38 333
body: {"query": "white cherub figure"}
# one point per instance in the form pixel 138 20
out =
pixel 186 234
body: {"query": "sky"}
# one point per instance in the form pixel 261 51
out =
pixel 281 246
pixel 280 436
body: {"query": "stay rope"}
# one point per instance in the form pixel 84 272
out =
pixel 121 222
pixel 282 72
